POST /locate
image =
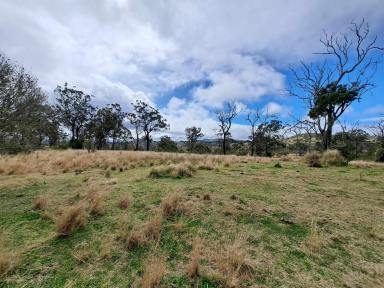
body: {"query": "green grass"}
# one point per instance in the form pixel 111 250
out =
pixel 273 212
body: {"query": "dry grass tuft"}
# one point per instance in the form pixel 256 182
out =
pixel 233 264
pixel 151 229
pixel 171 205
pixel 125 202
pixel 154 271
pixel 106 248
pixel 313 159
pixel 207 197
pixel 8 262
pixel 333 158
pixel 315 241
pixel 97 204
pixel 40 203
pixel 135 239
pixel 82 252
pixel 73 217
pixel 175 171
pixel 193 269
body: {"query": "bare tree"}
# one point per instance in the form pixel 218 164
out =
pixel 253 118
pixel 378 131
pixel 330 87
pixel 225 118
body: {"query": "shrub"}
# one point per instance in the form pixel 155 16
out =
pixel 313 159
pixel 379 155
pixel 73 217
pixel 333 158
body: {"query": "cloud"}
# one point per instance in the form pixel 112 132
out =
pixel 121 50
pixel 378 109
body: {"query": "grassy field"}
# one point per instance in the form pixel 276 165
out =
pixel 125 219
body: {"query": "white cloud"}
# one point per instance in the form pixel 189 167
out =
pixel 121 50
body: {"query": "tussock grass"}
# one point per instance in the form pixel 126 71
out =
pixel 53 161
pixel 193 268
pixel 73 217
pixel 40 203
pixel 8 262
pixel 333 158
pixel 176 171
pixel 313 159
pixel 125 202
pixel 154 271
pixel 171 205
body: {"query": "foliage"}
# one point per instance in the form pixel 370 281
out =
pixel 149 120
pixel 166 144
pixel 75 112
pixel 379 155
pixel 26 120
pixel 193 134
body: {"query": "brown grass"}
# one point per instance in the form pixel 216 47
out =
pixel 151 229
pixel 97 204
pixel 135 239
pixel 53 161
pixel 73 217
pixel 315 241
pixel 333 158
pixel 106 248
pixel 40 203
pixel 193 269
pixel 171 205
pixel 233 264
pixel 82 252
pixel 125 202
pixel 312 159
pixel 8 262
pixel 154 271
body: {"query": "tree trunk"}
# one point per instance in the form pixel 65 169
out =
pixel 224 145
pixel 137 140
pixel 147 140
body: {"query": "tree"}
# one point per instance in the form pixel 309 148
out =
pixel 267 136
pixel 166 144
pixel 330 87
pixel 350 143
pixel 108 122
pixel 225 118
pixel 253 118
pixel 378 132
pixel 25 116
pixel 193 135
pixel 135 122
pixel 75 111
pixel 149 120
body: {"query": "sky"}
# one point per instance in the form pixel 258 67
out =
pixel 186 57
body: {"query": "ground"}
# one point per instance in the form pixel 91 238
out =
pixel 232 222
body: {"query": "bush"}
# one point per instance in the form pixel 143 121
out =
pixel 312 159
pixel 379 155
pixel 333 158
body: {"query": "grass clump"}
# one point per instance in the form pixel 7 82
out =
pixel 193 269
pixel 333 158
pixel 73 217
pixel 40 203
pixel 154 271
pixel 175 171
pixel 97 204
pixel 8 262
pixel 313 159
pixel 125 202
pixel 171 205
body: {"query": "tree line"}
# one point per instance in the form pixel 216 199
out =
pixel 328 88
